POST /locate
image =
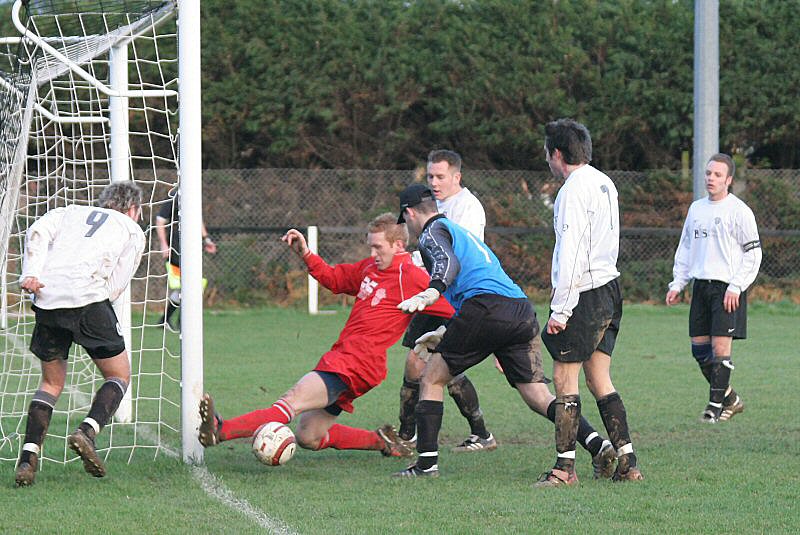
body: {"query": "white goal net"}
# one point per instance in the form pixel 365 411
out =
pixel 89 94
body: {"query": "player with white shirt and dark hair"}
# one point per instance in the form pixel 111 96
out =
pixel 719 249
pixel 459 205
pixel 493 316
pixel 77 260
pixel 586 304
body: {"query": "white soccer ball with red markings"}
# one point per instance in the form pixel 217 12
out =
pixel 274 444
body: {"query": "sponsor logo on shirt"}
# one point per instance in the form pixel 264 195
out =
pixel 367 287
pixel 378 297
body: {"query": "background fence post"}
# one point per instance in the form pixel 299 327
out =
pixel 313 286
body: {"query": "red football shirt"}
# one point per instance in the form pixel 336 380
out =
pixel 375 322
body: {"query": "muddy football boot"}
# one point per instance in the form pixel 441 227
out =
pixel 208 434
pixel 26 471
pixel 394 446
pixel 83 445
pixel 557 478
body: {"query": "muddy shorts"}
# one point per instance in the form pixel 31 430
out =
pixel 593 326
pixel 490 323
pixel 94 326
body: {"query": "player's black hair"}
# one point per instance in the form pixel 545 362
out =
pixel 571 138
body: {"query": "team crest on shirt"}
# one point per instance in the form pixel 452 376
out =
pixel 367 288
pixel 378 297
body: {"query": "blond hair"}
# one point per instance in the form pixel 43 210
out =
pixel 387 223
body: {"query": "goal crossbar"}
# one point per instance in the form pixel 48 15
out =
pixel 77 69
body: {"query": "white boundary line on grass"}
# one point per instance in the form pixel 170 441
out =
pixel 215 488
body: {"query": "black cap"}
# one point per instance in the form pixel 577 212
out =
pixel 412 196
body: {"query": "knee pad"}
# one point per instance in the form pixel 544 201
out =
pixel 703 354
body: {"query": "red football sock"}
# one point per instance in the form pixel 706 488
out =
pixel 341 437
pixel 247 424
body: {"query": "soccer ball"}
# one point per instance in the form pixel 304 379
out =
pixel 274 444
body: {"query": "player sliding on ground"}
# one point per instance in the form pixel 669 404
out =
pixel 357 361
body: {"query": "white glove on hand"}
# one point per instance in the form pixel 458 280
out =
pixel 419 301
pixel 428 342
pixel 422 352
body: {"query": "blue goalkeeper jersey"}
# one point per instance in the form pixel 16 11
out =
pixel 462 266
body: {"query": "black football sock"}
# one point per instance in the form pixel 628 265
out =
pixel 104 405
pixel 429 420
pixel 720 380
pixel 409 397
pixel 568 413
pixel 40 411
pixel 588 437
pixel 615 420
pixel 464 394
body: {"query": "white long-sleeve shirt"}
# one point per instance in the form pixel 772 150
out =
pixel 465 209
pixel 586 223
pixel 82 255
pixel 719 242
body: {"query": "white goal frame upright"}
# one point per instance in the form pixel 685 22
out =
pixel 189 174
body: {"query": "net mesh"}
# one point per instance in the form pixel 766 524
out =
pixel 55 138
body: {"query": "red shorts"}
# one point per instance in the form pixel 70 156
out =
pixel 359 374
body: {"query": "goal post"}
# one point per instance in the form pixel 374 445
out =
pixel 87 98
pixel 191 229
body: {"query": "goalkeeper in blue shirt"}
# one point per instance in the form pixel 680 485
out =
pixel 493 316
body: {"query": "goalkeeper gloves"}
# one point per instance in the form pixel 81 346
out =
pixel 419 301
pixel 428 342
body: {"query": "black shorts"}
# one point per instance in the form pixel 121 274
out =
pixel 421 324
pixel 593 326
pixel 707 316
pixel 489 324
pixel 94 326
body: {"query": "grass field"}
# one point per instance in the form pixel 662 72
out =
pixel 736 477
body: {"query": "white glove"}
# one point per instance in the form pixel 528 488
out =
pixel 419 301
pixel 428 342
pixel 422 352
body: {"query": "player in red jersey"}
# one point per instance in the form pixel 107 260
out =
pixel 357 361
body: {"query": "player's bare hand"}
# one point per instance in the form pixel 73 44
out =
pixel 209 246
pixel 673 297
pixel 555 327
pixel 730 302
pixel 32 285
pixel 295 239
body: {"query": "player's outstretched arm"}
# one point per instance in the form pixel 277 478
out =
pixel 296 241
